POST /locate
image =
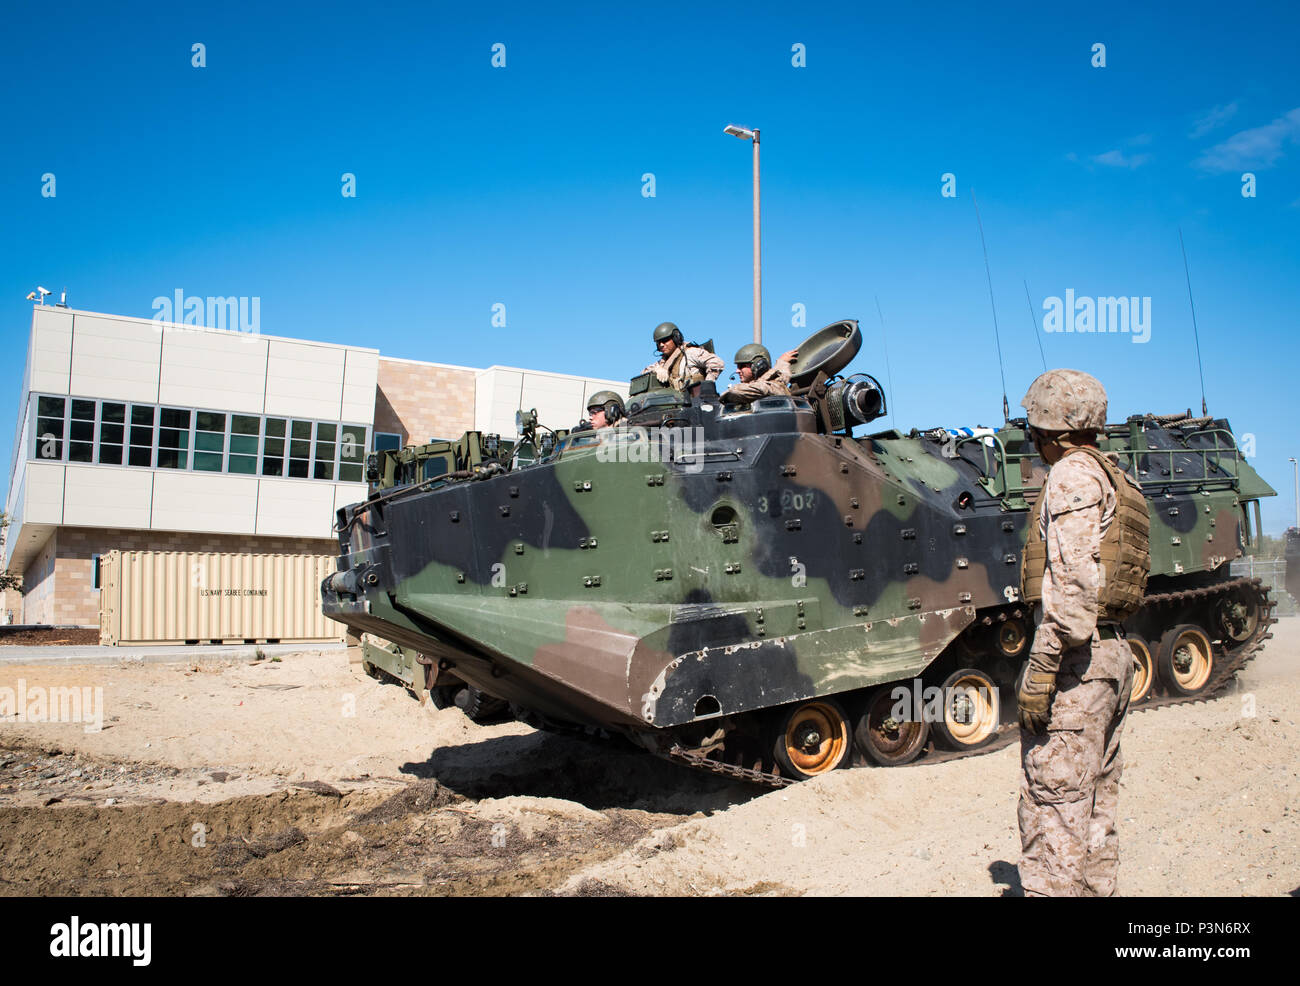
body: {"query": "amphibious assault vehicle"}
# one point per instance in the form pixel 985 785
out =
pixel 756 590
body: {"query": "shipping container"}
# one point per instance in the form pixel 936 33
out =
pixel 190 597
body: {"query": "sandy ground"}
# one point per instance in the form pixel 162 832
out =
pixel 302 775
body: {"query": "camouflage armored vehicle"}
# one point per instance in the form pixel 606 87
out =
pixel 756 590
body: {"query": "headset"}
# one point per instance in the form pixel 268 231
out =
pixel 613 412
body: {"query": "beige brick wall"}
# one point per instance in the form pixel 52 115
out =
pixel 38 585
pixel 12 605
pixel 422 402
pixel 72 598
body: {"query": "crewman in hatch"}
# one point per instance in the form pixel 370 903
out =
pixel 758 377
pixel 682 365
pixel 605 409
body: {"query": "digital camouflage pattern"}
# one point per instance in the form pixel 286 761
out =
pixel 1123 554
pixel 1069 788
pixel 1066 400
pixel 774 383
pixel 702 563
pixel 687 365
pixel 1070 783
pixel 1078 509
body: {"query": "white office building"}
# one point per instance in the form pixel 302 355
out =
pixel 136 434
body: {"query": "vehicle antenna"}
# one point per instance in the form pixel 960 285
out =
pixel 1006 408
pixel 1033 320
pixel 1195 332
pixel 889 377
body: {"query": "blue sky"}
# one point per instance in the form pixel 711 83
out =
pixel 522 185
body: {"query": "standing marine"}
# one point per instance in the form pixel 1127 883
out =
pixel 1086 559
pixel 758 377
pixel 682 365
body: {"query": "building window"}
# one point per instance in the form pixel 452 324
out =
pixel 140 452
pixel 273 447
pixel 115 433
pixel 49 427
pixel 210 441
pixel 94 571
pixel 81 433
pixel 323 463
pixel 299 449
pixel 386 440
pixel 174 438
pixel 112 433
pixel 352 454
pixel 244 431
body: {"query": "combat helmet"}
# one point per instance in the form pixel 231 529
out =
pixel 1066 400
pixel 755 355
pixel 610 403
pixel 669 330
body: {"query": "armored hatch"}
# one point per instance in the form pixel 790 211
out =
pixel 827 351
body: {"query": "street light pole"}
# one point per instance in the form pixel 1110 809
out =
pixel 758 255
pixel 752 135
pixel 1295 469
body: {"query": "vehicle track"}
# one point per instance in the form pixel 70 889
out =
pixel 1224 672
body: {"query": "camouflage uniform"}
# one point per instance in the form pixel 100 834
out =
pixel 1069 790
pixel 774 383
pixel 687 366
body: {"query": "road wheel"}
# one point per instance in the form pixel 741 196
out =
pixel 481 708
pixel 885 739
pixel 1236 615
pixel 812 738
pixel 1186 659
pixel 1010 639
pixel 971 711
pixel 444 696
pixel 1144 668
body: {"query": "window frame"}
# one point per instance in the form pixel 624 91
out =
pixel 336 462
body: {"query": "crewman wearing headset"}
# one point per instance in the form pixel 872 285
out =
pixel 605 409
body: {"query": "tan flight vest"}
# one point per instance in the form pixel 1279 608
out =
pixel 675 365
pixel 681 375
pixel 1125 547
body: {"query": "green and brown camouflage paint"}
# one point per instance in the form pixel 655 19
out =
pixel 775 564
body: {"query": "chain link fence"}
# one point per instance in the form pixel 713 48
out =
pixel 1272 571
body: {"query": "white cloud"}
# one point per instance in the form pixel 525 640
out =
pixel 1118 159
pixel 1259 147
pixel 1214 119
